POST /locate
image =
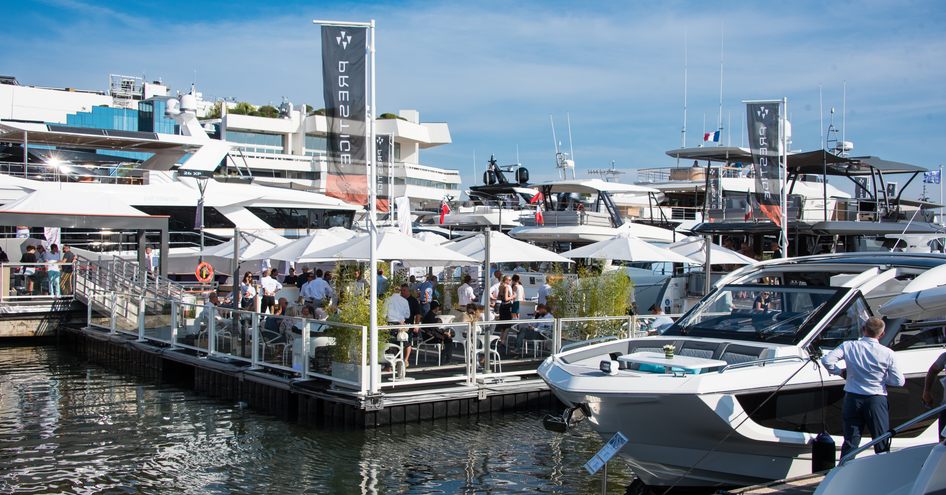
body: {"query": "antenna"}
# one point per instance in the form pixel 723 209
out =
pixel 821 113
pixel 683 132
pixel 719 121
pixel 517 154
pixel 571 148
pixel 474 166
pixel 843 115
pixel 554 139
pixel 607 173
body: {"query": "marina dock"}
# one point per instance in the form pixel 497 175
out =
pixel 310 401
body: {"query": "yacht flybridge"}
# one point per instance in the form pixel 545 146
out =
pixel 743 397
pixel 172 181
pixel 581 211
pixel 821 217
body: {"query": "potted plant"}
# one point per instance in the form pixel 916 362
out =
pixel 668 351
pixel 346 353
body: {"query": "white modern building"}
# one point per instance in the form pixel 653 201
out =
pixel 291 148
pixel 286 149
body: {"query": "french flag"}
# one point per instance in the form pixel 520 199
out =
pixel 711 136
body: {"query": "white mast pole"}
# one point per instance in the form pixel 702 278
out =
pixel 374 385
pixel 783 172
pixel 683 137
pixel 571 147
pixel 719 116
pixel 372 218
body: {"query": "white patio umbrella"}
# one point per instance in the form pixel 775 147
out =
pixel 304 246
pixel 392 246
pixel 693 247
pixel 252 243
pixel 504 249
pixel 626 247
pixel 430 237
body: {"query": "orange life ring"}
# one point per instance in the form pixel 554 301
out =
pixel 204 272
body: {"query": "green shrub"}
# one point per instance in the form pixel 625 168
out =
pixel 353 311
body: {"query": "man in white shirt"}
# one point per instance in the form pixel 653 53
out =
pixel 270 287
pixel 870 367
pixel 465 293
pixel 544 293
pixel 661 321
pixel 321 291
pixel 397 311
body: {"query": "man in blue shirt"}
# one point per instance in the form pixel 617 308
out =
pixel 426 293
pixel 870 367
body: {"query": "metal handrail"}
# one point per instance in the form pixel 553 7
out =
pixel 893 432
pixel 761 362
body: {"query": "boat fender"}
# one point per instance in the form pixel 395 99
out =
pixel 823 453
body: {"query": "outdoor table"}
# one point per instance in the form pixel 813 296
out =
pixel 690 364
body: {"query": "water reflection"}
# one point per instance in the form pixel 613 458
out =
pixel 70 427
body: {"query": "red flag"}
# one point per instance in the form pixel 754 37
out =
pixel 539 219
pixel 538 198
pixel 444 209
pixel 774 212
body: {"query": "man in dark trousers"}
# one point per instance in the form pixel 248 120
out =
pixel 870 368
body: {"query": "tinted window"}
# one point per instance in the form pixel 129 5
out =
pixel 846 325
pixel 917 336
pixel 302 218
pixel 183 217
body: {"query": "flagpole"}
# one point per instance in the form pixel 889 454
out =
pixel 374 385
pixel 783 172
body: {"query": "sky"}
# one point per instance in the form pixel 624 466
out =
pixel 497 71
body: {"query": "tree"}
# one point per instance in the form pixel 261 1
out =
pixel 243 108
pixel 215 111
pixel 268 111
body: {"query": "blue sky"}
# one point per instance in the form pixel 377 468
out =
pixel 496 71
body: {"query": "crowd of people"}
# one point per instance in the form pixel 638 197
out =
pixel 43 272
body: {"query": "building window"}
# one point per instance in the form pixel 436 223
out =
pixel 397 150
pixel 256 142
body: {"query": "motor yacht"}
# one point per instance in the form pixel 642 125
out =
pixel 581 211
pixel 498 203
pixel 743 396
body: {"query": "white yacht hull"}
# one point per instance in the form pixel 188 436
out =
pixel 692 431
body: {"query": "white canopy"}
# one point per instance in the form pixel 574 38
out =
pixel 252 243
pixel 694 248
pixel 51 201
pixel 392 246
pixel 595 185
pixel 627 248
pixel 304 246
pixel 504 249
pixel 430 237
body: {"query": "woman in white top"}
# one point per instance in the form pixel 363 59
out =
pixel 519 292
pixel 247 291
pixel 53 260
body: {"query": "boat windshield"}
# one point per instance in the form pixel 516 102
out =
pixel 760 313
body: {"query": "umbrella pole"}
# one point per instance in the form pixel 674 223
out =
pixel 486 313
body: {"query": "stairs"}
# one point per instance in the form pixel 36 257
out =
pixel 116 287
